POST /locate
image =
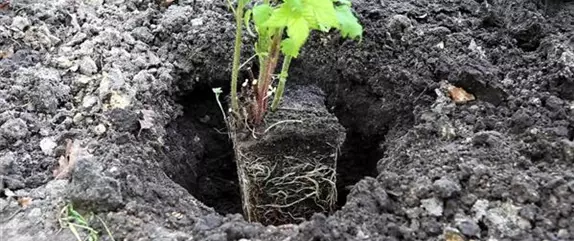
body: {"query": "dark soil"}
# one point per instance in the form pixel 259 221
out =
pixel 130 82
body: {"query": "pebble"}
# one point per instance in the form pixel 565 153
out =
pixel 47 145
pixel 197 22
pixel 20 23
pixel 89 101
pixel 468 227
pixel 78 118
pixel 433 206
pixel 100 129
pixel 88 66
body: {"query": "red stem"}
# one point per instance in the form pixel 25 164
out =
pixel 265 81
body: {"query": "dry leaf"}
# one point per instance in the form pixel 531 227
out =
pixel 7 53
pixel 67 163
pixel 24 201
pixel 459 95
pixel 166 3
pixel 4 4
pixel 453 235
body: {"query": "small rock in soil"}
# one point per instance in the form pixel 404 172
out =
pixel 14 129
pixel 88 66
pixel 468 227
pixel 100 129
pixel 434 206
pixel 47 145
pixel 20 23
pixel 446 188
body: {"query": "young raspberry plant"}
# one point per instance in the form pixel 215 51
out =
pixel 272 19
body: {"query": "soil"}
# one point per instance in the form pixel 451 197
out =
pixel 130 81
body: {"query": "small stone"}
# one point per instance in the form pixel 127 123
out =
pixel 197 22
pixel 468 227
pixel 77 39
pixel 14 129
pixel 63 62
pixel 88 66
pixel 89 101
pixel 116 78
pixel 479 208
pixel 118 100
pixel 100 129
pixel 79 117
pixel 20 23
pixel 47 145
pixel 446 188
pixel 433 206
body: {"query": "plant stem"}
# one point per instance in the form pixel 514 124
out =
pixel 237 54
pixel 282 80
pixel 265 75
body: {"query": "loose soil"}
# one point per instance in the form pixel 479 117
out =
pixel 130 81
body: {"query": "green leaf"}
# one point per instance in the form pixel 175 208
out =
pixel 350 26
pixel 261 14
pixel 280 17
pixel 321 14
pixel 295 5
pixel 298 32
pixel 289 48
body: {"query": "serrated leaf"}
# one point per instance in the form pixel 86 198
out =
pixel 261 14
pixel 298 32
pixel 289 48
pixel 280 17
pixel 321 14
pixel 295 5
pixel 349 24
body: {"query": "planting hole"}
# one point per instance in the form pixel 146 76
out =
pixel 201 155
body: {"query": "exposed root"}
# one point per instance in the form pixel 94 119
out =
pixel 290 190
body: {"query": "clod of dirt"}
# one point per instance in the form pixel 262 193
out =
pixel 92 189
pixel 14 129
